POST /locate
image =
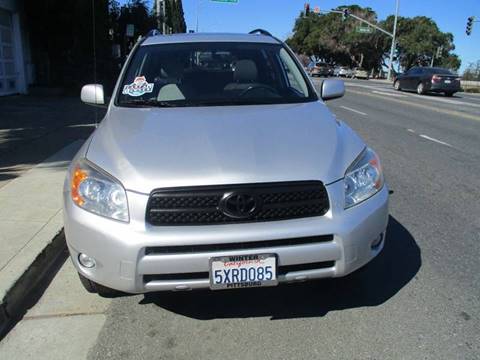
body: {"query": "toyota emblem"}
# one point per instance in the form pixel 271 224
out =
pixel 239 205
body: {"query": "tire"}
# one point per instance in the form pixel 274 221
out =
pixel 396 85
pixel 420 89
pixel 449 94
pixel 94 288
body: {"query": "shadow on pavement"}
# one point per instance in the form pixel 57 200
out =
pixel 32 128
pixel 384 277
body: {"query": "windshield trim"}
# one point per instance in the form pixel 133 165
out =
pixel 312 94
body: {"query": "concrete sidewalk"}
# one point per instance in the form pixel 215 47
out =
pixel 31 218
pixel 63 324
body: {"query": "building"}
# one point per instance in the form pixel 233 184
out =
pixel 16 69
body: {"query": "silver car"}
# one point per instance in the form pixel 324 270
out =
pixel 219 166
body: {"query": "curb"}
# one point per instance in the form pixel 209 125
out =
pixel 28 288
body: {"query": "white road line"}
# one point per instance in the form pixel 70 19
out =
pixel 353 110
pixel 389 94
pixel 442 100
pixel 435 140
pixel 411 130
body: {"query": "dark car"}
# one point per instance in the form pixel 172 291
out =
pixel 320 69
pixel 428 79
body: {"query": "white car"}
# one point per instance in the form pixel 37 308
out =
pixel 218 165
pixel 360 74
pixel 344 72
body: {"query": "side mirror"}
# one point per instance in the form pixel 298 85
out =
pixel 332 89
pixel 92 94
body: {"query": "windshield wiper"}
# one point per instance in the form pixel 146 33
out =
pixel 149 103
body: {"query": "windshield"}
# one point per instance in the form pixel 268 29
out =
pixel 207 74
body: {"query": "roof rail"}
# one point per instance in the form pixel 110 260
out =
pixel 260 31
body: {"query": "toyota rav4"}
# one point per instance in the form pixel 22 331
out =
pixel 218 165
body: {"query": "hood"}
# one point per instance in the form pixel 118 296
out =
pixel 149 148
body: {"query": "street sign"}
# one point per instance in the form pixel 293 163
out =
pixel 439 52
pixel 364 30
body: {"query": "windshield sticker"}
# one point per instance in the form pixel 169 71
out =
pixel 139 87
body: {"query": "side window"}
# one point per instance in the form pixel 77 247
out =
pixel 294 77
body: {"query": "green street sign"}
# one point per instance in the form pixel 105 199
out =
pixel 226 1
pixel 364 30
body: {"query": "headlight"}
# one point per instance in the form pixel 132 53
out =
pixel 363 179
pixel 98 192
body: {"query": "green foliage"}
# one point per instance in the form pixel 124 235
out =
pixel 417 41
pixel 60 37
pixel 328 37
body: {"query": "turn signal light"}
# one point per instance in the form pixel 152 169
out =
pixel 78 177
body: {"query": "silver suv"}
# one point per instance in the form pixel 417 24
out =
pixel 218 166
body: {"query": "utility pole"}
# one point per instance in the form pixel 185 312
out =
pixel 198 14
pixel 392 50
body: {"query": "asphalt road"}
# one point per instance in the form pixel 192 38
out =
pixel 420 299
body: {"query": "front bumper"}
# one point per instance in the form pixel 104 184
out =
pixel 122 262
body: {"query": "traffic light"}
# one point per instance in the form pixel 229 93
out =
pixel 345 14
pixel 470 21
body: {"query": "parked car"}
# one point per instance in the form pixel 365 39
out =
pixel 360 74
pixel 320 69
pixel 428 79
pixel 345 72
pixel 331 70
pixel 220 177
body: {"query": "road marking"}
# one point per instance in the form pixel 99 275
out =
pixel 388 94
pixel 426 137
pixel 422 106
pixel 435 140
pixel 353 110
pixel 443 100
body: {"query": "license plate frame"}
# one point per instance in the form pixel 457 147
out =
pixel 249 261
pixel 448 81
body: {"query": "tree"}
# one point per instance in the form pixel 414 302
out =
pixel 328 37
pixel 418 39
pixel 175 16
pixel 60 35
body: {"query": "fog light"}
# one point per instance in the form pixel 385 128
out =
pixel 376 243
pixel 86 261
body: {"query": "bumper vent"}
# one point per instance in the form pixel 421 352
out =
pixel 250 245
pixel 213 205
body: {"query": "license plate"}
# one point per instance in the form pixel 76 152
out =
pixel 448 81
pixel 231 272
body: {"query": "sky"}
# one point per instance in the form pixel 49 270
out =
pixel 278 17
